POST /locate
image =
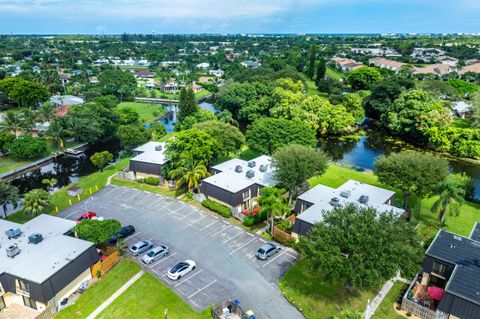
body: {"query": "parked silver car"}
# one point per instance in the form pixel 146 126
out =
pixel 140 247
pixel 266 251
pixel 155 254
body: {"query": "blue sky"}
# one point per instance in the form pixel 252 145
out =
pixel 238 16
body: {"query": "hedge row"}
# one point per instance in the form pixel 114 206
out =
pixel 217 208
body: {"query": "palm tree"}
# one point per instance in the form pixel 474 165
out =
pixel 28 116
pixel 189 173
pixel 37 201
pixel 11 123
pixel 47 111
pixel 272 204
pixel 451 195
pixel 8 195
pixel 50 183
pixel 55 133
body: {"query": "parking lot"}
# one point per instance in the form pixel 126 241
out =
pixel 224 252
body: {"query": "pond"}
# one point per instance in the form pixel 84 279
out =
pixel 170 118
pixel 361 153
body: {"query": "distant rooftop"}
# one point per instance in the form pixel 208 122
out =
pixel 233 181
pixel 349 193
pixel 66 100
pixel 38 262
pixel 151 152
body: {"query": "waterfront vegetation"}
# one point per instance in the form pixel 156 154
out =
pixel 146 112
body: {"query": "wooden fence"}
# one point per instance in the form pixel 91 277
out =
pixel 281 235
pixel 49 312
pixel 102 266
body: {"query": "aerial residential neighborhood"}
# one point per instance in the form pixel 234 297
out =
pixel 231 160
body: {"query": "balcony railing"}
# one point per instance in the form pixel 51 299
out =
pixel 417 309
pixel 22 292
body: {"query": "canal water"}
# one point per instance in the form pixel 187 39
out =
pixel 170 118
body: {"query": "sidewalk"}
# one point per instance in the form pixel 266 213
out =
pixel 117 293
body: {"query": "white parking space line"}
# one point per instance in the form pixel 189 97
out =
pixel 74 212
pixel 154 271
pixel 195 304
pixel 148 196
pixel 248 242
pixel 153 203
pixel 186 279
pixel 113 189
pixel 124 192
pixel 239 233
pixel 294 257
pixel 263 241
pixel 266 264
pixel 133 195
pixel 187 215
pixel 205 227
pixel 199 290
pixel 158 262
pixel 131 236
pixel 250 234
pixel 220 231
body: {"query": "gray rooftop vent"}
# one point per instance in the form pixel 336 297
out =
pixel 158 148
pixel 13 250
pixel 251 164
pixel 13 232
pixel 238 169
pixel 345 194
pixel 35 238
pixel 335 201
pixel 250 173
pixel 363 199
pixel 263 168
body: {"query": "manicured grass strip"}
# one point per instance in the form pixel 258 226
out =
pixel 385 310
pixel 98 293
pixel 333 74
pixel 461 123
pixel 317 299
pixel 60 198
pixel 148 298
pixel 144 187
pixel 147 112
pixel 9 164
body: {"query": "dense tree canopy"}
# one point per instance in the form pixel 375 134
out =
pixel 361 247
pixel 97 231
pixel 24 93
pixel 265 135
pixel 27 147
pixel 362 78
pixel 198 143
pixel 131 136
pixel 114 81
pixel 228 137
pixel 187 105
pixel 101 159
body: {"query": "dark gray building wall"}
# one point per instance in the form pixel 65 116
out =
pixel 146 168
pixel 64 276
pixel 459 307
pixel 301 227
pixel 427 265
pixel 232 199
pixel 298 206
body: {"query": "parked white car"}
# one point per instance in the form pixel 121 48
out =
pixel 181 269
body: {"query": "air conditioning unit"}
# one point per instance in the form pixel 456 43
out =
pixel 238 169
pixel 250 173
pixel 345 194
pixel 263 168
pixel 35 238
pixel 335 201
pixel 363 199
pixel 158 148
pixel 13 250
pixel 251 164
pixel 13 233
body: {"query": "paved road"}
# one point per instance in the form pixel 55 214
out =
pixel 224 252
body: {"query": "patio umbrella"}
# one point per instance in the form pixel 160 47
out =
pixel 435 292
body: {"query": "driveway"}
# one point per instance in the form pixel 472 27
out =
pixel 224 252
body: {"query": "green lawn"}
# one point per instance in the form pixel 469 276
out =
pixel 200 95
pixel 385 310
pixel 245 153
pixel 144 187
pixel 8 164
pixel 461 123
pixel 89 184
pixel 98 293
pixel 147 112
pixel 333 74
pixel 148 298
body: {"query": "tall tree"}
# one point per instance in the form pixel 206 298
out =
pixel 101 159
pixel 47 111
pixel 414 173
pixel 228 137
pixel 272 204
pixel 56 133
pixel 321 70
pixel 8 195
pixel 37 201
pixel 198 143
pixel 313 58
pixel 11 123
pixel 294 164
pixel 351 257
pixel 362 78
pixel 451 195
pixel 189 172
pixel 24 93
pixel 130 136
pixel 187 104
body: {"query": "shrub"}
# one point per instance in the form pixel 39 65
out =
pixel 284 225
pixel 217 208
pixel 249 221
pixel 27 147
pixel 155 181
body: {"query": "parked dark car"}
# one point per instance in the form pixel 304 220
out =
pixel 122 233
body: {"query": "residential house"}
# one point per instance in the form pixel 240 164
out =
pixel 376 51
pixel 167 64
pixel 313 204
pixel 171 86
pixel 197 88
pixel 63 100
pixel 347 65
pixel 41 264
pixel 144 74
pixel 149 160
pixel 436 69
pixel 427 54
pixel 386 64
pixel 448 286
pixel 230 57
pixel 203 66
pixel 250 64
pixel 448 60
pixel 236 183
pixel 217 73
pixel 461 109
